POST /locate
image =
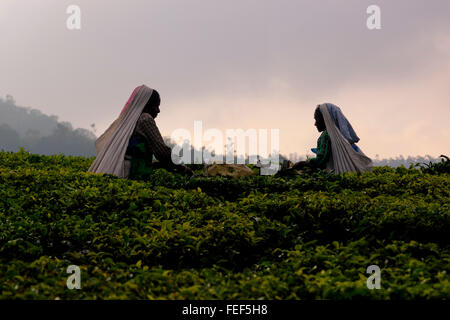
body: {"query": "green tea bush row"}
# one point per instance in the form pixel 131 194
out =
pixel 272 237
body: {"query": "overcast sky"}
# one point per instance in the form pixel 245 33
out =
pixel 239 64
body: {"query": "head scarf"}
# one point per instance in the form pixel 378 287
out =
pixel 341 123
pixel 112 144
pixel 130 98
pixel 343 157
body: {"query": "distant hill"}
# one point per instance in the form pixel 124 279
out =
pixel 26 119
pixel 40 133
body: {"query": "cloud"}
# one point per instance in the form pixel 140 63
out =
pixel 237 64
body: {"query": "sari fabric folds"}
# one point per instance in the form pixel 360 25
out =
pixel 344 158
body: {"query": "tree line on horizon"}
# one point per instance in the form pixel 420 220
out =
pixel 36 132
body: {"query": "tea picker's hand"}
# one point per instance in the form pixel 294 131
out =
pixel 300 165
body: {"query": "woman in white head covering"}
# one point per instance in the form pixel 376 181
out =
pixel 113 143
pixel 336 147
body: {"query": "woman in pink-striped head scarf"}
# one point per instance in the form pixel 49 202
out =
pixel 137 117
pixel 112 144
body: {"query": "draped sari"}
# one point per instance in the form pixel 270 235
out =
pixel 344 157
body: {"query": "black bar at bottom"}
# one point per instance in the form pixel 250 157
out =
pixel 228 309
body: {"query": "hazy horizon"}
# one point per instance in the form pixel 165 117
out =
pixel 239 64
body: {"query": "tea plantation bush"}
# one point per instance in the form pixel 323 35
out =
pixel 264 237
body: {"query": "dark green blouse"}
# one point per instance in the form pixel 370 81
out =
pixel 141 162
pixel 323 151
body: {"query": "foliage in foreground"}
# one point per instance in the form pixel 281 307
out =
pixel 304 237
